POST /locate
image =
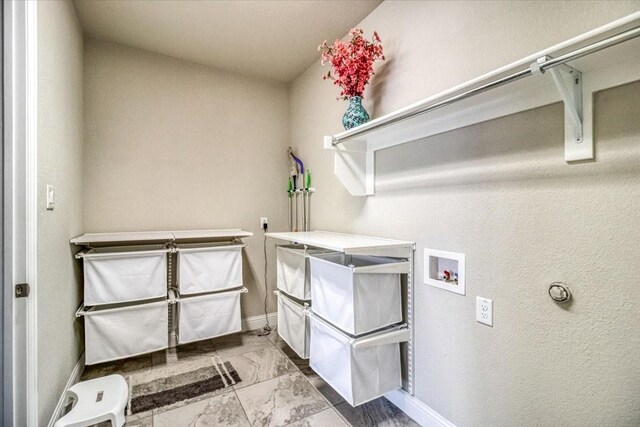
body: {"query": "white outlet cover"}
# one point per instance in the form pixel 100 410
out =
pixel 484 311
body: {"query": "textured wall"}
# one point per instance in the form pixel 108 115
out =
pixel 59 164
pixel 501 193
pixel 174 145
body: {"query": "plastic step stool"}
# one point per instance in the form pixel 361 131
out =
pixel 101 399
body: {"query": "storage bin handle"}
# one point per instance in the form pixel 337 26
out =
pixel 92 254
pixel 397 334
pixel 399 267
pixel 209 247
pixel 392 337
pixel 83 309
pixel 305 304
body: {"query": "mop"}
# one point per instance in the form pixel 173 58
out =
pixel 296 168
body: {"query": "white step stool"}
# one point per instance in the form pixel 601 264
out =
pixel 102 399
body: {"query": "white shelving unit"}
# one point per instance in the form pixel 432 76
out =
pixel 571 71
pixel 159 326
pixel 363 245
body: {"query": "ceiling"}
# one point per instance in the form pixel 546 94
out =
pixel 272 39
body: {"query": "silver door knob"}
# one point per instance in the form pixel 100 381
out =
pixel 559 292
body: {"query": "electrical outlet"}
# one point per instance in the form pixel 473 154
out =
pixel 484 311
pixel 264 222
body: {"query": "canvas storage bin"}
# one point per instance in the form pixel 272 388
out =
pixel 359 369
pixel 209 267
pixel 357 294
pixel 293 276
pixel 293 325
pixel 207 316
pixel 123 274
pixel 116 332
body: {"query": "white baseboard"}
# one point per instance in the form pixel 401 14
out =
pixel 419 411
pixel 257 322
pixel 73 378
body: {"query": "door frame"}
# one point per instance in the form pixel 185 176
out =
pixel 19 222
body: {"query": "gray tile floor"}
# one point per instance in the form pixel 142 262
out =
pixel 277 389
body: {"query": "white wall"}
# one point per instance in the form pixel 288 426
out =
pixel 501 193
pixel 59 164
pixel 174 145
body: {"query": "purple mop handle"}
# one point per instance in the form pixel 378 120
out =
pixel 299 162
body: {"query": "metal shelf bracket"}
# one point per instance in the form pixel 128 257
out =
pixel 568 82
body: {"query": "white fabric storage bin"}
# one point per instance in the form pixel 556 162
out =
pixel 209 267
pixel 359 369
pixel 293 325
pixel 124 274
pixel 208 316
pixel 357 294
pixel 293 276
pixel 121 331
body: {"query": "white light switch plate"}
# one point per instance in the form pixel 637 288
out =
pixel 50 200
pixel 484 311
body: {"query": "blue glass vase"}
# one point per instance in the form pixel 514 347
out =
pixel 355 114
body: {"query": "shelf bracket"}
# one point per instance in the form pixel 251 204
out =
pixel 354 166
pixel 568 82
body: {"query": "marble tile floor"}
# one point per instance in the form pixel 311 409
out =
pixel 278 388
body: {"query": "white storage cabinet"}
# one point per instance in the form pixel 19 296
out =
pixel 357 294
pixel 294 325
pixel 360 369
pixel 116 332
pixel 208 316
pixel 293 272
pixel 209 267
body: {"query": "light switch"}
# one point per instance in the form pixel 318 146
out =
pixel 50 200
pixel 484 311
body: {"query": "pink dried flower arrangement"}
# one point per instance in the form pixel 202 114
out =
pixel 352 62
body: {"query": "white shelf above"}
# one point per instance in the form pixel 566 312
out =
pixel 159 236
pixel 612 66
pixel 348 243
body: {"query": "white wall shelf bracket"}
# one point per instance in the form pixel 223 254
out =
pixel 568 82
pixel 353 162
